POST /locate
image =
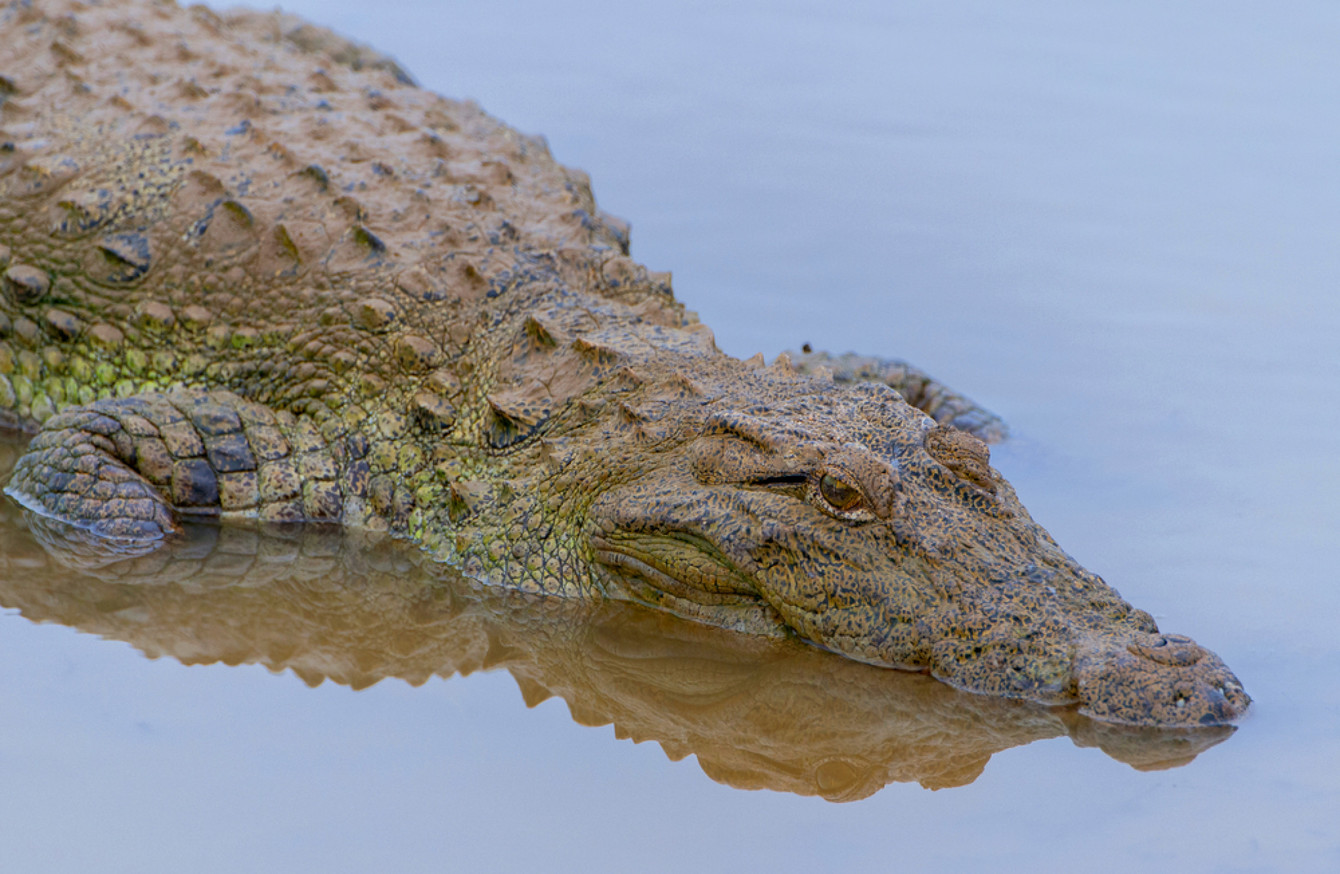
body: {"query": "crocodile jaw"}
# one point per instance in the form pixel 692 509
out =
pixel 1007 613
pixel 1160 679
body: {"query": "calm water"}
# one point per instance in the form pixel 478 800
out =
pixel 1115 225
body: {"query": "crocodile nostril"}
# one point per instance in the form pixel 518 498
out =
pixel 1168 649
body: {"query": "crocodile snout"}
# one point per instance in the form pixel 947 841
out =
pixel 1152 678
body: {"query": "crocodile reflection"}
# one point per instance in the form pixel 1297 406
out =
pixel 756 713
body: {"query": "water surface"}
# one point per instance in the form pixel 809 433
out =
pixel 1115 224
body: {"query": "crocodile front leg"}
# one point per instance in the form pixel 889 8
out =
pixel 130 468
pixel 934 398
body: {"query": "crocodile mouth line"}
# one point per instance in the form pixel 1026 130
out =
pixel 643 574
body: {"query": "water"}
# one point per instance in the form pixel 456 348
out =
pixel 1114 224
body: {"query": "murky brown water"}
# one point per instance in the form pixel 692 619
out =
pixel 1114 225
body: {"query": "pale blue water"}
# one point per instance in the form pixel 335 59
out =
pixel 1114 223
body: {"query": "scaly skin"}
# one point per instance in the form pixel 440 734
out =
pixel 250 269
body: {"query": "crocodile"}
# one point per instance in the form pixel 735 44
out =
pixel 250 268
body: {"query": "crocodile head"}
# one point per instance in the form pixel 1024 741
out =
pixel 852 519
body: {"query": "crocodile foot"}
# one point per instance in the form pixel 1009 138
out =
pixel 80 471
pixel 126 470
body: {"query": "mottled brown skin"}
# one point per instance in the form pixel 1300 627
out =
pixel 250 269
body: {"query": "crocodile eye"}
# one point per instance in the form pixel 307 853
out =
pixel 967 457
pixel 842 498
